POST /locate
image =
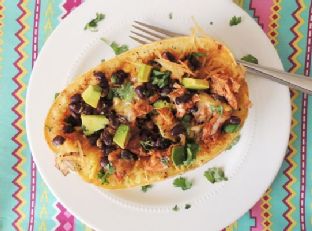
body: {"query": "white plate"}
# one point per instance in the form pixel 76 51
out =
pixel 251 165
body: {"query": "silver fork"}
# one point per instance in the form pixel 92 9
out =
pixel 144 33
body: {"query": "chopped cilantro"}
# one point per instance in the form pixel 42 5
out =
pixel 235 21
pixel 118 49
pixel 175 208
pixel 56 95
pixel 187 206
pixel 146 187
pixel 191 152
pixel 104 173
pixel 215 174
pixel 250 58
pixel 182 183
pixel 102 60
pixel 161 79
pixel 216 109
pixel 92 25
pixel 211 23
pixel 234 142
pixel 170 15
pixel 147 144
pixel 125 92
pixel 231 128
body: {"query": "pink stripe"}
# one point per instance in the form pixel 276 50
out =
pixel 255 213
pixel 65 219
pixel 70 5
pixel 262 10
pixel 33 166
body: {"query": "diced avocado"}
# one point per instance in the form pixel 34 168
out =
pixel 161 104
pixel 121 136
pixel 144 73
pixel 231 128
pixel 178 155
pixel 92 95
pixel 93 123
pixel 196 84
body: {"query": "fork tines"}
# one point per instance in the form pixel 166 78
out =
pixel 147 33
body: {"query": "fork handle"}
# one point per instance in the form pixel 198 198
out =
pixel 298 82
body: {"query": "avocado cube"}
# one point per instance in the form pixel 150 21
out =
pixel 178 155
pixel 93 123
pixel 92 95
pixel 144 73
pixel 196 84
pixel 161 104
pixel 121 136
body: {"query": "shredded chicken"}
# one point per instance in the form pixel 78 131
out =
pixel 154 163
pixel 165 121
pixel 211 127
pixel 178 70
pixel 141 108
pixel 122 166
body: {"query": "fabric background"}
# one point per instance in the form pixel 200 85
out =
pixel 25 201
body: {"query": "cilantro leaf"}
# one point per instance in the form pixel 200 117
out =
pixel 146 187
pixel 125 92
pixel 175 208
pixel 250 58
pixel 160 79
pixel 191 152
pixel 235 21
pixel 216 109
pixel 56 95
pixel 182 183
pixel 215 174
pixel 92 25
pixel 187 206
pixel 118 49
pixel 231 128
pixel 170 15
pixel 234 142
pixel 106 172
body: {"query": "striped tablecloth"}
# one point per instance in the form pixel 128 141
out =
pixel 25 201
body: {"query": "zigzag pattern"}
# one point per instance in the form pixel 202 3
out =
pixel 255 16
pixel 273 26
pixel 291 166
pixel 293 58
pixel 17 109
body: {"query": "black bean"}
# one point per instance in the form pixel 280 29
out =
pixel 113 118
pixel 120 76
pixel 162 143
pixel 168 55
pixel 193 62
pixel 99 75
pixel 139 90
pixel 219 97
pixel 71 120
pixel 58 140
pixel 93 138
pixel 107 138
pixel 233 120
pixel 76 98
pixel 127 155
pixel 108 149
pixel 104 161
pixel 194 109
pixel 75 108
pixel 87 110
pixel 178 129
pixel 183 99
pixel 166 90
pixel 67 128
